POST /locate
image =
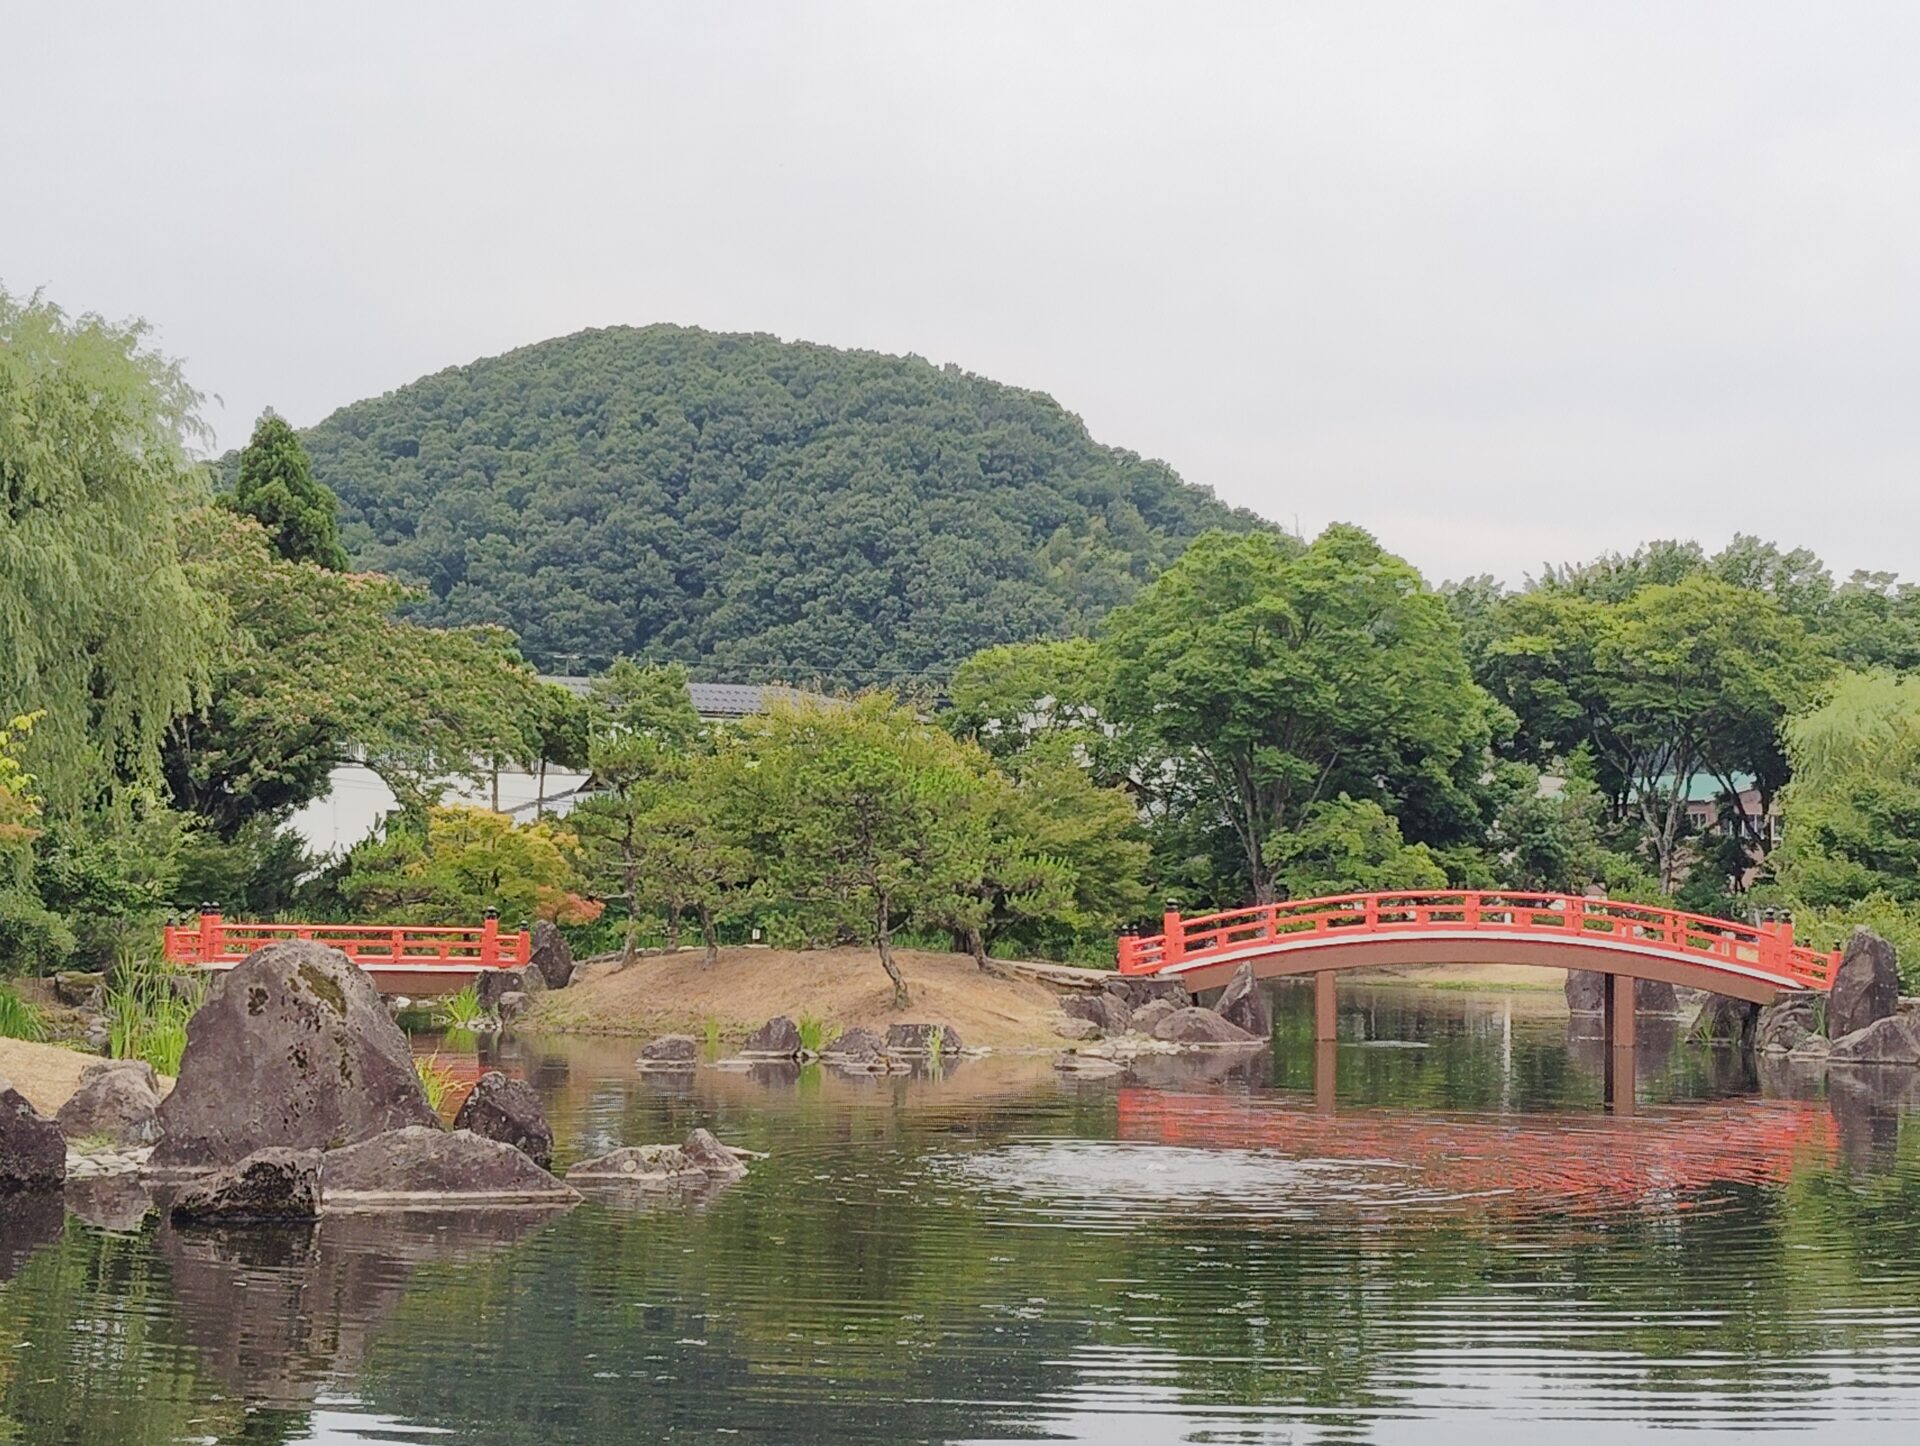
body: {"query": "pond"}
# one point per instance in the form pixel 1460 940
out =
pixel 1458 1244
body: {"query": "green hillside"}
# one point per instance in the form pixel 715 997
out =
pixel 762 509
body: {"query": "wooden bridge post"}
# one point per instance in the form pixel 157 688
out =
pixel 1325 1077
pixel 1326 1019
pixel 1620 1084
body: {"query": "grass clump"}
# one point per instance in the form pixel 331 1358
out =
pixel 20 1019
pixel 437 1080
pixel 148 1007
pixel 463 1009
pixel 815 1034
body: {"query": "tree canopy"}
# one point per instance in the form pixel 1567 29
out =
pixel 768 510
pixel 276 488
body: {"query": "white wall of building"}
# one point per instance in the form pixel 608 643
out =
pixel 356 800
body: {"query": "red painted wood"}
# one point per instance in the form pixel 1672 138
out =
pixel 214 942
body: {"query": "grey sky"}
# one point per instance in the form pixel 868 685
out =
pixel 1501 282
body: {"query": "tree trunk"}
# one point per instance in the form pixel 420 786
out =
pixel 884 935
pixel 709 936
pixel 673 929
pixel 632 877
pixel 540 792
pixel 977 944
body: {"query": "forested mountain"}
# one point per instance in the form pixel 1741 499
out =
pixel 759 508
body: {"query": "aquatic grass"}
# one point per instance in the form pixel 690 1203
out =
pixel 20 1018
pixel 437 1080
pixel 936 1043
pixel 463 1009
pixel 148 1007
pixel 816 1034
pixel 711 1028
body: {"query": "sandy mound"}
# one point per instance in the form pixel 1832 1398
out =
pixel 845 987
pixel 47 1074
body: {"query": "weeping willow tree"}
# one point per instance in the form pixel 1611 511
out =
pixel 101 632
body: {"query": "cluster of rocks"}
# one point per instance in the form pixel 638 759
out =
pixel 856 1050
pixel 298 1091
pixel 506 994
pixel 1861 1020
pixel 1132 1016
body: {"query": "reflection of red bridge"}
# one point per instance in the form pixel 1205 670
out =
pixel 1566 1161
pixel 401 959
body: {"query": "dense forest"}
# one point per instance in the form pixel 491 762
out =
pixel 764 509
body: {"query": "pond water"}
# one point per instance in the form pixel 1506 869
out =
pixel 1459 1243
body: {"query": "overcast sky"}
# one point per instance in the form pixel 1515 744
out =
pixel 1504 283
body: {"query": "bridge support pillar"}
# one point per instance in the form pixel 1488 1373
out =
pixel 1621 994
pixel 1325 1077
pixel 1326 1019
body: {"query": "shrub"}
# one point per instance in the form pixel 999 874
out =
pixel 19 1019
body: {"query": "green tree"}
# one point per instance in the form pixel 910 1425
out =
pixel 276 488
pixel 100 628
pixel 464 861
pixel 1348 846
pixel 1273 678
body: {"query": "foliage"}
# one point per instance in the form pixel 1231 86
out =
pixel 769 510
pixel 317 670
pixel 1350 846
pixel 112 874
pixel 275 486
pixel 1895 920
pixel 1272 678
pixel 464 861
pixel 1547 838
pixel 815 1034
pixel 148 1007
pixel 438 1082
pixel 258 873
pixel 462 1009
pixel 19 1018
pixel 100 628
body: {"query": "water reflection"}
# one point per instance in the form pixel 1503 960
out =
pixel 1360 1242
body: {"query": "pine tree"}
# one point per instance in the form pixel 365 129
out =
pixel 277 488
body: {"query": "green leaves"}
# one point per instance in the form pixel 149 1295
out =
pixel 276 487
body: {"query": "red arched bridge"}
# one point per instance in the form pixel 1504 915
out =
pixel 400 958
pixel 1756 962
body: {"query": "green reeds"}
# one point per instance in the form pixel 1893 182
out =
pixel 19 1019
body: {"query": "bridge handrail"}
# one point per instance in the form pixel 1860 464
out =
pixel 1769 946
pixel 213 941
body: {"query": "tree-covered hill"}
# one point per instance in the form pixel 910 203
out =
pixel 759 508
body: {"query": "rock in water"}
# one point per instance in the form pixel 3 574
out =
pixel 1892 1040
pixel 1866 986
pixel 1784 1027
pixel 1139 989
pixel 1149 1015
pixel 669 1051
pixel 1200 1026
pixel 1654 996
pixel 718 1160
pixel 919 1039
pixel 857 1049
pixel 33 1152
pixel 1074 1026
pixel 269 1185
pixel 1108 1013
pixel 513 1004
pixel 1723 1020
pixel 1244 1003
pixel 490 986
pixel 778 1038
pixel 293 1048
pixel 550 956
pixel 507 1110
pixel 1586 991
pixel 702 1158
pixel 419 1165
pixel 116 1104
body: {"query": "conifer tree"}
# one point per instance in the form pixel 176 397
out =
pixel 277 488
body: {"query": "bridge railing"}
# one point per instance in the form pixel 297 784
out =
pixel 1768 946
pixel 216 942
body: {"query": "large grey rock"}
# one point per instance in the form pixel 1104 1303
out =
pixel 1244 1003
pixel 1107 1013
pixel 507 1110
pixel 1654 996
pixel 1866 986
pixel 1074 1026
pixel 513 1004
pixel 491 986
pixel 1586 991
pixel 293 1048
pixel 1149 1015
pixel 1139 989
pixel 1200 1026
pixel 1784 1026
pixel 79 990
pixel 33 1152
pixel 422 1165
pixel 1723 1020
pixel 857 1049
pixel 722 1162
pixel 778 1038
pixel 917 1039
pixel 669 1051
pixel 550 956
pixel 1892 1040
pixel 269 1185
pixel 114 1104
pixel 138 1068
